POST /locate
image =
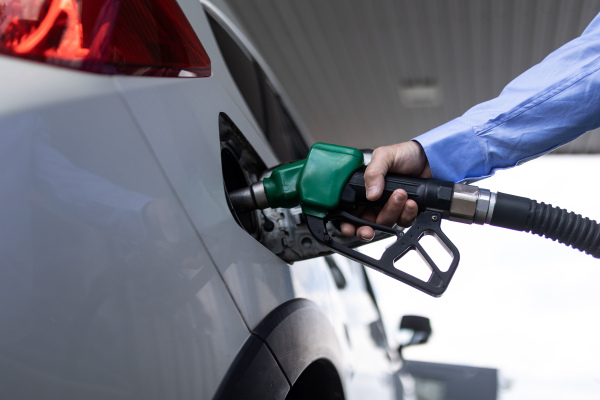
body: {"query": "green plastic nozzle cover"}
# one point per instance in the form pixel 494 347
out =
pixel 315 183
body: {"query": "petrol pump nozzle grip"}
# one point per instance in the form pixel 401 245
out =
pixel 427 193
pixel 457 202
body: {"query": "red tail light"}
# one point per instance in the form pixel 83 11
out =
pixel 132 37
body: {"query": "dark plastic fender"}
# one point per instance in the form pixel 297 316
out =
pixel 254 374
pixel 279 349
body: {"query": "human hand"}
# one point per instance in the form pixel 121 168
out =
pixel 407 158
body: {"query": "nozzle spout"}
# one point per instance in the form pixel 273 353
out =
pixel 249 199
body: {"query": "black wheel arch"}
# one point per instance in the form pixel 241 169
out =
pixel 289 348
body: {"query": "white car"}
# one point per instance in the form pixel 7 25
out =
pixel 124 274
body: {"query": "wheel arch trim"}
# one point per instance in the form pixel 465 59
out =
pixel 284 344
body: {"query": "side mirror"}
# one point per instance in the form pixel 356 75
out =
pixel 419 329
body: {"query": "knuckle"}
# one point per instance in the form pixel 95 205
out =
pixel 380 154
pixel 371 174
pixel 377 153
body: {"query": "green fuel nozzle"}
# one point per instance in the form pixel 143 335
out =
pixel 315 183
pixel 329 184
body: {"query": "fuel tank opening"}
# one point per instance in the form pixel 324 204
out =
pixel 241 166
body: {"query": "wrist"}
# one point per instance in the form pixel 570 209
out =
pixel 422 160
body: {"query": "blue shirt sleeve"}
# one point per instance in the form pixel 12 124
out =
pixel 547 106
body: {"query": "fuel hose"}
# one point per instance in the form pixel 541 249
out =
pixel 523 214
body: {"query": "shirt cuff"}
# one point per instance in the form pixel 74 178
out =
pixel 453 151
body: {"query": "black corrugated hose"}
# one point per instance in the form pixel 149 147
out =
pixel 523 214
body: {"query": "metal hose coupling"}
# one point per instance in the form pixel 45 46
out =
pixel 471 204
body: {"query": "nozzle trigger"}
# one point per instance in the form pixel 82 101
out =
pixel 427 223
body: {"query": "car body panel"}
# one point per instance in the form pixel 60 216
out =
pixel 97 282
pixel 190 156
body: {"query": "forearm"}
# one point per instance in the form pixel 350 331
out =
pixel 550 104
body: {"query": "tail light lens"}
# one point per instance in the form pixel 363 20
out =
pixel 131 37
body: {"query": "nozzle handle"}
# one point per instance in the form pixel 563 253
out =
pixel 427 193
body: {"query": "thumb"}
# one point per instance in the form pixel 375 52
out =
pixel 403 158
pixel 381 161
